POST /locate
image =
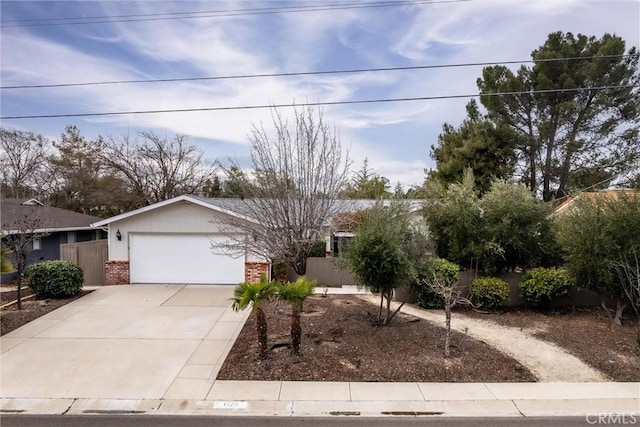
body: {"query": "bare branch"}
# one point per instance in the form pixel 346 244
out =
pixel 291 195
pixel 26 225
pixel 157 168
pixel 22 162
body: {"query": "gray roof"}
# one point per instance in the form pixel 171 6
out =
pixel 50 218
pixel 243 208
pixel 239 206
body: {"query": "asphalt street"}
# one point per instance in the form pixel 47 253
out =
pixel 141 420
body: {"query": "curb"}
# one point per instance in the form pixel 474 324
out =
pixel 306 408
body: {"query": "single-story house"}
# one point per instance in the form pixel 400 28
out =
pixel 56 226
pixel 592 196
pixel 344 223
pixel 171 242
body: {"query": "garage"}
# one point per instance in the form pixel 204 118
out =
pixel 170 242
pixel 181 258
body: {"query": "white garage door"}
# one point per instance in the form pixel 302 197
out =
pixel 181 258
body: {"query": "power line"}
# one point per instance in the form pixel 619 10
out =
pixel 257 9
pixel 368 101
pixel 217 13
pixel 585 189
pixel 313 73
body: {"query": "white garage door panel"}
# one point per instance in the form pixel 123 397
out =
pixel 181 258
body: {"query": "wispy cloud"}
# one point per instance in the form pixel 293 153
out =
pixel 394 136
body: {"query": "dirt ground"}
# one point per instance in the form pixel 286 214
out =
pixel 11 318
pixel 587 333
pixel 340 343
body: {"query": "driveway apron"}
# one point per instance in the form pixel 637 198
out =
pixel 124 342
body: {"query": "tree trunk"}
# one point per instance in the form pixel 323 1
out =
pixel 296 330
pixel 261 326
pixel 447 337
pixel 532 173
pixel 638 335
pixel 396 311
pixel 19 294
pixel 380 310
pixel 530 152
pixel 20 267
pixel 572 147
pixel 617 319
pixel 387 317
pixel 548 164
pixel 619 310
pixel 300 266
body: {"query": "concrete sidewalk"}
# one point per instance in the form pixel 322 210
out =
pixel 157 349
pixel 289 398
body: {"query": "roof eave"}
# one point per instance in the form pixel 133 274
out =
pixel 185 198
pixel 50 230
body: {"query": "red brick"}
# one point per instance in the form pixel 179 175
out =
pixel 116 272
pixel 253 271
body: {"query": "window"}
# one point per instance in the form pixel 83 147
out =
pixel 340 242
pixel 37 244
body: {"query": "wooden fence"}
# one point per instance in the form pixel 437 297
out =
pixel 90 256
pixel 577 297
pixel 327 272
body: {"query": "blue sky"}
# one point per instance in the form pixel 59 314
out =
pixel 395 137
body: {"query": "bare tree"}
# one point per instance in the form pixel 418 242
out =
pixel 26 224
pixel 444 282
pixel 23 159
pixel 628 270
pixel 158 168
pixel 291 196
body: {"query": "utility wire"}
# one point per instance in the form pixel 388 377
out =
pixel 314 73
pixel 216 13
pixel 368 101
pixel 257 9
pixel 585 189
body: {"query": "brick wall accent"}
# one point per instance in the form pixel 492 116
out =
pixel 253 271
pixel 116 272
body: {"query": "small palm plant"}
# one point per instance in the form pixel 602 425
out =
pixel 295 293
pixel 254 295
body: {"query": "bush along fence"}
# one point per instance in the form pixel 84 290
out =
pixel 327 272
pixel 574 296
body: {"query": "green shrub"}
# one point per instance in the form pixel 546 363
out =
pixel 489 293
pixel 540 285
pixel 441 268
pixel 280 268
pixel 318 250
pixel 427 298
pixel 55 279
pixel 446 270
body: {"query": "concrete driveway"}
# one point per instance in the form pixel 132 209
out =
pixel 124 342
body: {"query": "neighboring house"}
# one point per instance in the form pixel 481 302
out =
pixel 170 242
pixel 606 195
pixel 57 225
pixel 343 224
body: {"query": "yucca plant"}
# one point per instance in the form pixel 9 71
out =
pixel 295 293
pixel 254 295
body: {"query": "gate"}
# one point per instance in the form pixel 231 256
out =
pixel 90 257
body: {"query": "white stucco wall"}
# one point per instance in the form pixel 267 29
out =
pixel 180 217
